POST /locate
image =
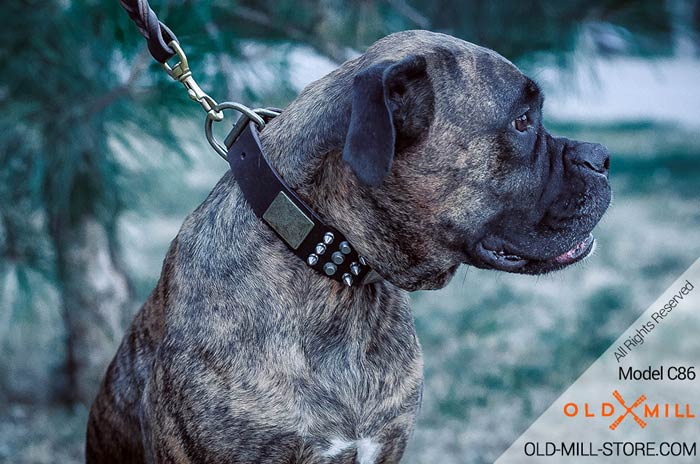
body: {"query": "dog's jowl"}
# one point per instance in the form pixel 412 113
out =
pixel 426 152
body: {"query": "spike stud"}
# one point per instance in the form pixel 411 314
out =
pixel 320 248
pixel 329 268
pixel 345 248
pixel 355 269
pixel 347 279
pixel 363 261
pixel 312 259
pixel 328 238
pixel 337 258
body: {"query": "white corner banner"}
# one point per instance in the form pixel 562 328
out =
pixel 639 402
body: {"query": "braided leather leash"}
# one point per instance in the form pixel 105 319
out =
pixel 157 34
pixel 322 247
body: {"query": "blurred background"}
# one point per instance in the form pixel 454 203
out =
pixel 102 156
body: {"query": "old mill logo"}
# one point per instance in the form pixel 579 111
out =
pixel 640 411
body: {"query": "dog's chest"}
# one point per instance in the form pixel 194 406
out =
pixel 346 403
pixel 338 374
pixel 340 389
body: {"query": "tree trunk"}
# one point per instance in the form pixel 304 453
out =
pixel 95 294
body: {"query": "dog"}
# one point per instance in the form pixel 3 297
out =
pixel 427 152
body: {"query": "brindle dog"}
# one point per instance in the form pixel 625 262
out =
pixel 426 152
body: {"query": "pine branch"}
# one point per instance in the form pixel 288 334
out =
pixel 260 18
pixel 410 13
pixel 125 89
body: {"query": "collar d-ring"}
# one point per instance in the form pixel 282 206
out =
pixel 251 114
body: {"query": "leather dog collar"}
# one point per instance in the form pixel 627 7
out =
pixel 320 246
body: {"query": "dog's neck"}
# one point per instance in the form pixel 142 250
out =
pixel 225 234
pixel 304 145
pixel 313 126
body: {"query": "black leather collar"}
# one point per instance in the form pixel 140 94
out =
pixel 320 246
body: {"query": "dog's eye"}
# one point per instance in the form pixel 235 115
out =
pixel 521 123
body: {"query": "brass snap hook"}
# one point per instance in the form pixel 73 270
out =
pixel 181 72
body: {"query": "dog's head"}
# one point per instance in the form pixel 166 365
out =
pixel 451 164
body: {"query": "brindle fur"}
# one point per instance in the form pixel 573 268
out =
pixel 244 354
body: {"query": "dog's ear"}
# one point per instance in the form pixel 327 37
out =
pixel 378 105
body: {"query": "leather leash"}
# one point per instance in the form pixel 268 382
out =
pixel 320 246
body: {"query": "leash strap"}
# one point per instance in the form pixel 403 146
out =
pixel 163 45
pixel 157 34
pixel 321 246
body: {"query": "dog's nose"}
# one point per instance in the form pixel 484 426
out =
pixel 594 156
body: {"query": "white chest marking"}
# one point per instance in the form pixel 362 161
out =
pixel 337 447
pixel 367 450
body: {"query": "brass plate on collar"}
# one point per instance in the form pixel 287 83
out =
pixel 288 220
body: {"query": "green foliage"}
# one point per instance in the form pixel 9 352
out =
pixel 517 28
pixel 66 79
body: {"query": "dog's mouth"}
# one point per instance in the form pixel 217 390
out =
pixel 503 259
